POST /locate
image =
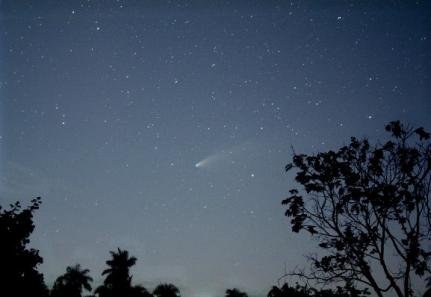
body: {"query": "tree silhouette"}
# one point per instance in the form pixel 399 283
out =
pixel 366 204
pixel 305 291
pixel 286 291
pixel 72 283
pixel 18 264
pixel 235 293
pixel 166 290
pixel 275 292
pixel 140 291
pixel 118 282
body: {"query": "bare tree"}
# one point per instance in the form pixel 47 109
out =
pixel 369 208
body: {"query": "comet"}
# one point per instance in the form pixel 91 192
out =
pixel 200 163
pixel 204 162
pixel 211 159
pixel 226 156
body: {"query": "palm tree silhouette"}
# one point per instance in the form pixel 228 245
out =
pixel 235 293
pixel 72 283
pixel 166 290
pixel 118 271
pixel 118 281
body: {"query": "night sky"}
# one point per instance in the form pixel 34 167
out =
pixel 164 127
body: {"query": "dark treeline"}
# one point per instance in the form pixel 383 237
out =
pixel 368 206
pixel 19 275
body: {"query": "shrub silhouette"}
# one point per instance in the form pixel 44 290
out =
pixel 72 283
pixel 366 204
pixel 166 290
pixel 139 291
pixel 235 293
pixel 286 291
pixel 305 291
pixel 18 264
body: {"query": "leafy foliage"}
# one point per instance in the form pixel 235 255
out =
pixel 18 269
pixel 364 204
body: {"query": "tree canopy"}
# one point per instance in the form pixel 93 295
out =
pixel 369 208
pixel 18 269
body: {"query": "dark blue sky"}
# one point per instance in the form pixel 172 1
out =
pixel 108 106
